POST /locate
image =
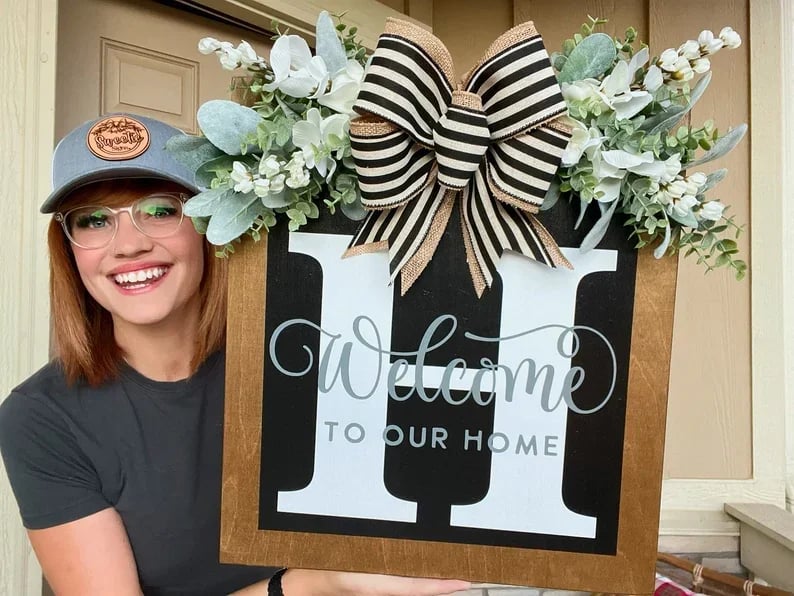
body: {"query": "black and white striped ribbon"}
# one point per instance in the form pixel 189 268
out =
pixel 490 140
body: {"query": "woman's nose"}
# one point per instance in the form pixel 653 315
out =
pixel 129 240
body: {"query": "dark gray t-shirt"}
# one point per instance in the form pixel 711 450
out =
pixel 151 450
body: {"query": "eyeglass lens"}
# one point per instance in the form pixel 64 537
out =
pixel 157 216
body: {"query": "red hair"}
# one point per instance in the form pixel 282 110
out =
pixel 83 331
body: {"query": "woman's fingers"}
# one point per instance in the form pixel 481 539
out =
pixel 300 582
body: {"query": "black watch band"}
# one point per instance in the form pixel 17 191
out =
pixel 274 585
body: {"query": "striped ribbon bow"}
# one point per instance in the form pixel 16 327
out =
pixel 420 140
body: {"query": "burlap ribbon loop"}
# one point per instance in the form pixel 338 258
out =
pixel 421 141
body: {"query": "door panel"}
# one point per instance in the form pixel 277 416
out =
pixel 139 57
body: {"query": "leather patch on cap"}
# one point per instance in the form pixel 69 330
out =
pixel 118 138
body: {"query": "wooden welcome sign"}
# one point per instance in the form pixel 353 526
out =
pixel 514 438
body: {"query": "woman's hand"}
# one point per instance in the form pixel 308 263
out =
pixel 308 582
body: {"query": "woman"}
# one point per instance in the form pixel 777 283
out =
pixel 114 448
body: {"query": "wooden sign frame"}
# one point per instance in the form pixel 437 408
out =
pixel 630 570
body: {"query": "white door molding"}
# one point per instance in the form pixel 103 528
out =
pixel 27 94
pixel 787 216
pixel 301 15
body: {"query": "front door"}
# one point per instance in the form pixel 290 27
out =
pixel 138 57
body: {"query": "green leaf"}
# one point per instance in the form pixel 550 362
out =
pixel 658 253
pixel 354 211
pixel 599 230
pixel 689 220
pixel 728 245
pixel 713 179
pixel 276 200
pixel 233 218
pixel 206 203
pixel 226 123
pixel 296 215
pixel 200 224
pixel 591 58
pixel 721 146
pixel 283 131
pixel 722 260
pixel 552 195
pixel 191 151
pixel 223 164
pixel 699 89
pixel 328 45
pixel 664 121
pixel 303 207
pixel 582 208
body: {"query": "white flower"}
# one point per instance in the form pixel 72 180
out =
pixel 643 164
pixel 298 179
pixel 581 90
pixel 318 138
pixel 277 184
pixel 298 174
pixel 668 60
pixel 682 71
pixel 677 188
pixel 261 187
pixel 672 166
pixel 708 43
pixel 208 45
pixel 345 85
pixel 582 139
pixel 711 211
pixel 682 208
pixel 248 56
pixel 296 163
pixel 269 166
pixel 609 178
pixel 617 94
pixel 271 191
pixel 229 56
pixel 690 50
pixel 653 79
pixel 701 65
pixel 296 72
pixel 243 179
pixel 730 38
pixel 695 182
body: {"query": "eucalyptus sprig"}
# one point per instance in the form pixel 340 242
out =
pixel 282 150
pixel 629 152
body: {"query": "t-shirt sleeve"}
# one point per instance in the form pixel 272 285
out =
pixel 53 480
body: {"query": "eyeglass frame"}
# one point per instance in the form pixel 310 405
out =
pixel 61 217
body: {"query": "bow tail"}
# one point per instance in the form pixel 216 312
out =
pixel 490 228
pixel 410 233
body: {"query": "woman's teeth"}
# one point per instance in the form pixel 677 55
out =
pixel 137 277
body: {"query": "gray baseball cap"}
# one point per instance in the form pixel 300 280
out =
pixel 115 146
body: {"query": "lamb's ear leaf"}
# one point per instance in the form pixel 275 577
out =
pixel 552 195
pixel 191 151
pixel 659 251
pixel 591 58
pixel 227 124
pixel 599 229
pixel 206 203
pixel 234 216
pixel 721 146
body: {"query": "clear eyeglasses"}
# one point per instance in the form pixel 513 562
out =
pixel 94 226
